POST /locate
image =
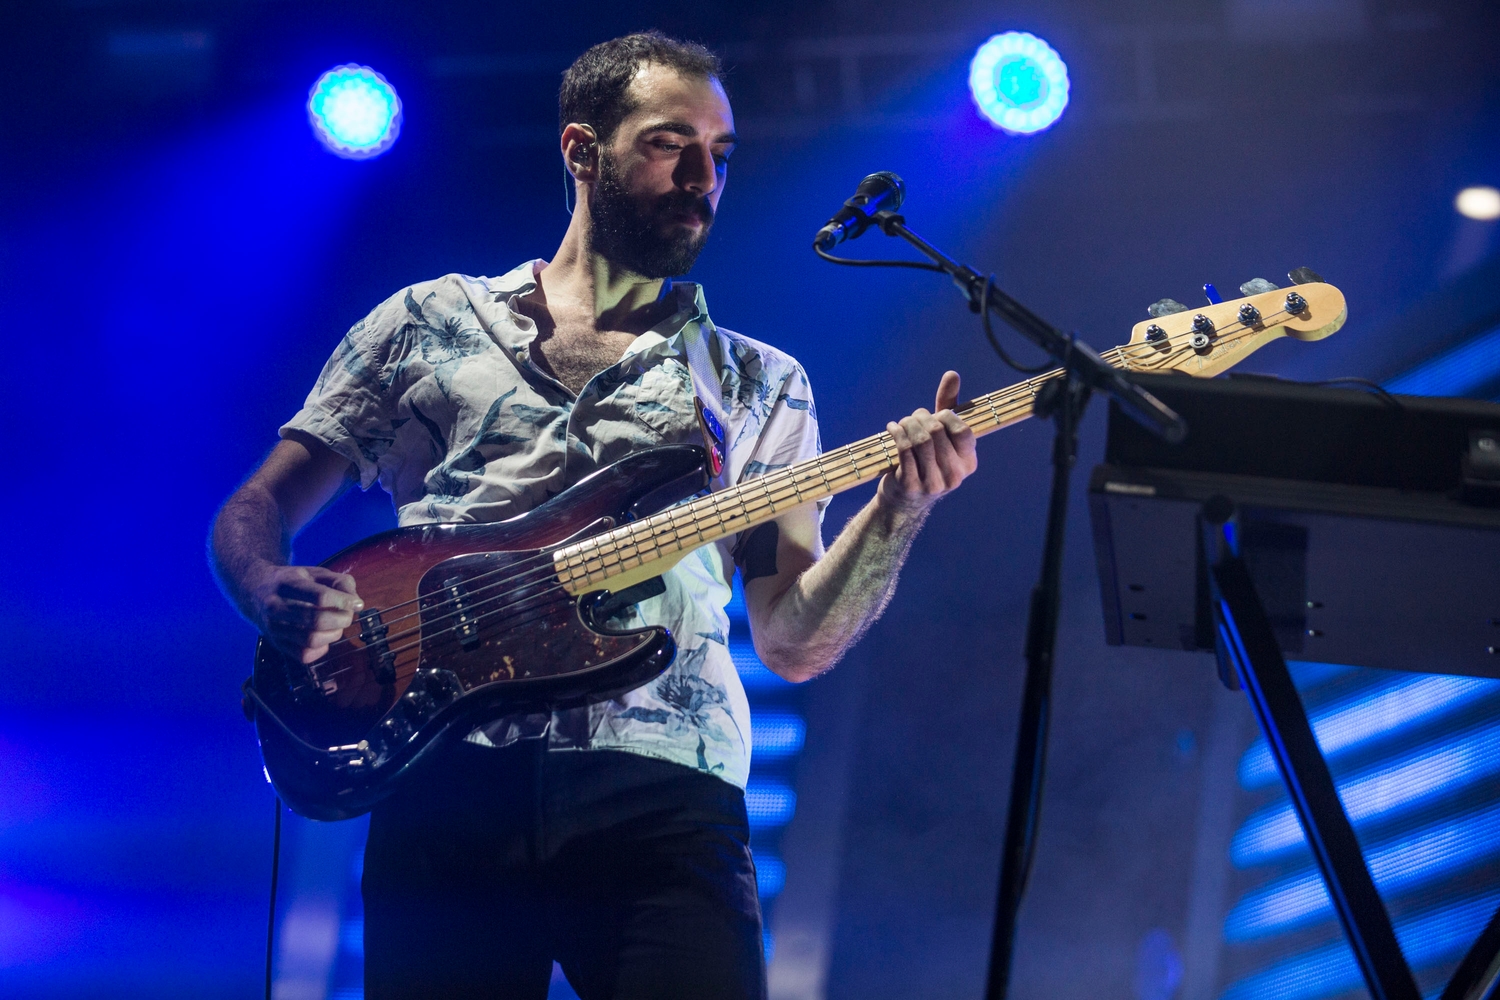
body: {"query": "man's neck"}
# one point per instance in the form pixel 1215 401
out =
pixel 590 288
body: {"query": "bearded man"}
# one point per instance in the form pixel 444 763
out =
pixel 613 837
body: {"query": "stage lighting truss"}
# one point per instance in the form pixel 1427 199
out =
pixel 354 111
pixel 1019 82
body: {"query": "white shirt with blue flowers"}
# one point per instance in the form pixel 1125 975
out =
pixel 435 396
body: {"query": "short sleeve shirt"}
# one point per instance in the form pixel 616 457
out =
pixel 435 396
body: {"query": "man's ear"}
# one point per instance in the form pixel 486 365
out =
pixel 580 149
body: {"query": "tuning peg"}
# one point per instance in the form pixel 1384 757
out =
pixel 1304 276
pixel 1165 307
pixel 1212 293
pixel 1257 285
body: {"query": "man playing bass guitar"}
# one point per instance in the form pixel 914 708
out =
pixel 610 837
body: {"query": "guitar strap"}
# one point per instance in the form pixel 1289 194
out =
pixel 708 392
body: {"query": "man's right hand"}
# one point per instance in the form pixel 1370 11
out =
pixel 302 609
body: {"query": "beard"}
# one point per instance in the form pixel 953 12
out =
pixel 636 233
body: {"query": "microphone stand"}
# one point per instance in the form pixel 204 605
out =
pixel 1062 401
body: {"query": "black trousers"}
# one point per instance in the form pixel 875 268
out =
pixel 633 873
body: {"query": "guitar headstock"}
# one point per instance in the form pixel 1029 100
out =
pixel 1207 341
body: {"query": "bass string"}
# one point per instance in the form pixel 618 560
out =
pixel 778 491
pixel 501 577
pixel 859 464
pixel 509 583
pixel 697 526
pixel 534 602
pixel 869 462
pixel 675 520
pixel 689 525
pixel 550 596
pixel 1024 389
pixel 535 574
pixel 395 646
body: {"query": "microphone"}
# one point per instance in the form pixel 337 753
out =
pixel 879 192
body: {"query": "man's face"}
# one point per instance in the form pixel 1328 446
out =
pixel 661 174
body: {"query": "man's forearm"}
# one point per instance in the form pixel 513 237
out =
pixel 831 604
pixel 248 534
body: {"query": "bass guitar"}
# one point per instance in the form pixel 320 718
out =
pixel 466 622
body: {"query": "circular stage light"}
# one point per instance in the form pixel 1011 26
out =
pixel 1019 82
pixel 354 112
pixel 1482 203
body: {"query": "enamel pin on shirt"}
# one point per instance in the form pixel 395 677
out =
pixel 713 436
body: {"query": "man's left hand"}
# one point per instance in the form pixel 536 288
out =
pixel 937 453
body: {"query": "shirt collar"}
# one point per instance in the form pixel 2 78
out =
pixel 691 308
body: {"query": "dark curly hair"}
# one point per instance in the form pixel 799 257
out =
pixel 594 88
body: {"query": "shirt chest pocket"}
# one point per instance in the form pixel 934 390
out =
pixel 660 403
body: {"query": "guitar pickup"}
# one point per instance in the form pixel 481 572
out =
pixel 372 632
pixel 464 626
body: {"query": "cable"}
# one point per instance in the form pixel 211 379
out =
pixel 1376 389
pixel 989 333
pixel 850 262
pixel 271 918
pixel 984 301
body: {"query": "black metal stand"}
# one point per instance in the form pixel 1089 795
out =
pixel 1478 975
pixel 1248 650
pixel 1063 400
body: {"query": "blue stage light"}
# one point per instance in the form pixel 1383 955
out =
pixel 770 874
pixel 1459 371
pixel 352 936
pixel 754 675
pixel 1019 82
pixel 776 734
pixel 1398 865
pixel 1427 939
pixel 354 111
pixel 1374 713
pixel 1382 791
pixel 1308 674
pixel 769 803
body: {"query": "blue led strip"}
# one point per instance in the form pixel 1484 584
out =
pixel 1398 865
pixel 769 802
pixel 776 735
pixel 770 875
pixel 1374 713
pixel 1438 935
pixel 1310 673
pixel 754 675
pixel 1382 791
pixel 1459 371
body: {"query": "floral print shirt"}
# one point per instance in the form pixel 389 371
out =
pixel 435 396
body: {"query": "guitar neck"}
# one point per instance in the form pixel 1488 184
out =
pixel 644 548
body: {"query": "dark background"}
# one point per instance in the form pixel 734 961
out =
pixel 178 257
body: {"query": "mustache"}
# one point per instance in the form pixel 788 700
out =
pixel 684 203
